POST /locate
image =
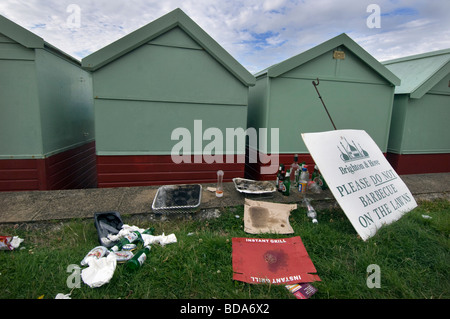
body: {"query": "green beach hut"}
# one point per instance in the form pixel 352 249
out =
pixel 164 84
pixel 419 140
pixel 46 115
pixel 357 90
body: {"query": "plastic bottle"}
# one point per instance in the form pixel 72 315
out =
pixel 295 170
pixel 127 239
pixel 219 188
pixel 303 182
pixel 286 184
pixel 311 211
pixel 138 259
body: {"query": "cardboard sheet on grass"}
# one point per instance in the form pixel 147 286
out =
pixel 363 182
pixel 265 217
pixel 281 261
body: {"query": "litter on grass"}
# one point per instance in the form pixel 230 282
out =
pixel 148 239
pixel 95 253
pixel 302 291
pixel 10 242
pixel 107 223
pixel 266 217
pixel 100 271
pixel 282 261
pixel 102 262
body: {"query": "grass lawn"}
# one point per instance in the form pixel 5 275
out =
pixel 413 255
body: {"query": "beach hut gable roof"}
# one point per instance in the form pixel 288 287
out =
pixel 30 40
pixel 19 34
pixel 420 73
pixel 340 40
pixel 151 31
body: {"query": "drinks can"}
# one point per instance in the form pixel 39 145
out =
pixel 302 186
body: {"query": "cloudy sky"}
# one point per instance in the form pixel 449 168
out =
pixel 257 33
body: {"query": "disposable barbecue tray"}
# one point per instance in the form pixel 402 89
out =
pixel 249 186
pixel 177 198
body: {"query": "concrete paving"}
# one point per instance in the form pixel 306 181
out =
pixel 43 206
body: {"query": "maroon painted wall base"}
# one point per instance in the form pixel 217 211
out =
pixel 144 170
pixel 71 169
pixel 419 163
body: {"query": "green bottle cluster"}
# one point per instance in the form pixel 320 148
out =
pixel 126 240
pixel 139 258
pixel 298 177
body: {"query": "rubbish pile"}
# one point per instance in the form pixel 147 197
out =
pixel 283 260
pixel 298 177
pixel 117 243
pixel 274 261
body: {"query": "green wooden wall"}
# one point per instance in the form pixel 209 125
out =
pixel 45 102
pixel 66 104
pixel 421 126
pixel 355 95
pixel 20 129
pixel 167 83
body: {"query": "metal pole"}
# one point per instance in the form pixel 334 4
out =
pixel 320 97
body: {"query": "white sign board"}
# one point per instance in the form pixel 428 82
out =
pixel 363 182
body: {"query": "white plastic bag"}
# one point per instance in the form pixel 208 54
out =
pixel 161 239
pixel 100 271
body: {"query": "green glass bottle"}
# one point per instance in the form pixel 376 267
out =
pixel 127 239
pixel 287 184
pixel 149 231
pixel 138 259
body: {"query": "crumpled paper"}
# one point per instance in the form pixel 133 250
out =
pixel 62 296
pixel 16 241
pixel 100 271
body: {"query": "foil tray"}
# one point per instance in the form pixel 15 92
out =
pixel 250 186
pixel 177 198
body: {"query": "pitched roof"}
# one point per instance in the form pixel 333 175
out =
pixel 19 34
pixel 342 39
pixel 28 39
pixel 419 73
pixel 175 18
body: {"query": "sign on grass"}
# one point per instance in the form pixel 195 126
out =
pixel 363 182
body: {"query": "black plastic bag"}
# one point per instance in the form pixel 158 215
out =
pixel 107 223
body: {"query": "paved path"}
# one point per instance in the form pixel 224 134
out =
pixel 37 206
